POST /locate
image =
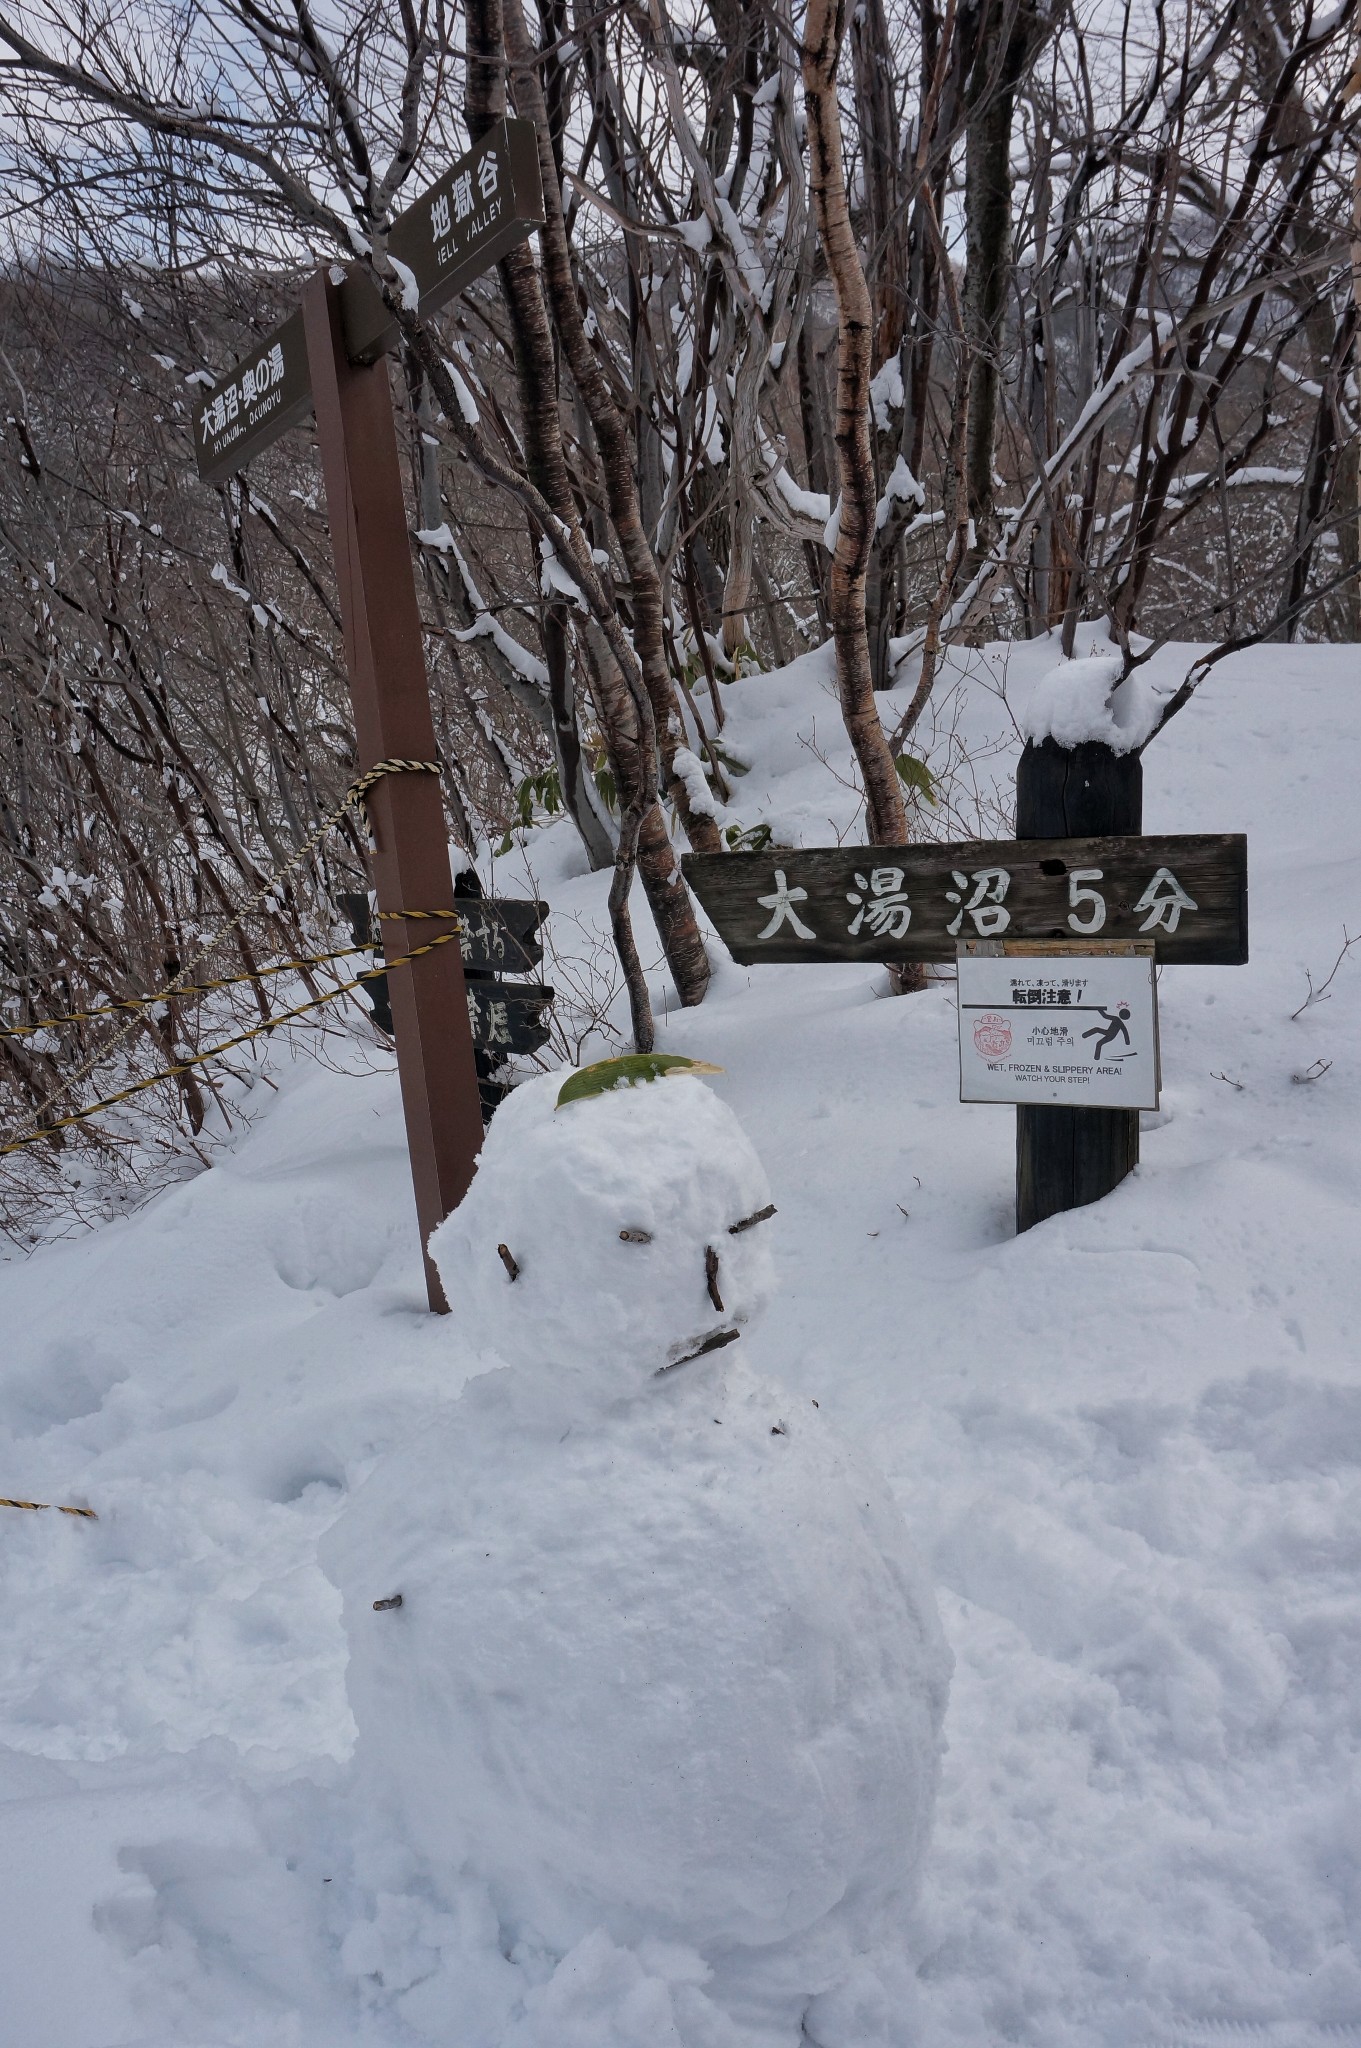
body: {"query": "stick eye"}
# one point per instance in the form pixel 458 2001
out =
pixel 761 1216
pixel 635 1236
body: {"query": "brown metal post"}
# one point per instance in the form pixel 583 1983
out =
pixel 391 696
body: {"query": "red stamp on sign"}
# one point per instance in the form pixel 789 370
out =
pixel 992 1037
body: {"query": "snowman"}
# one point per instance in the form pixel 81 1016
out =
pixel 665 1663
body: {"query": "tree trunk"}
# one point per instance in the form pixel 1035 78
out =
pixel 641 838
pixel 987 216
pixel 617 466
pixel 813 420
pixel 886 818
pixel 574 775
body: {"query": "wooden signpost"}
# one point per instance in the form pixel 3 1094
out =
pixel 467 220
pixel 328 357
pixel 1078 880
pixel 508 1016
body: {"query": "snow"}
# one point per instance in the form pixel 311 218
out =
pixel 223 575
pixel 886 396
pixel 555 579
pixel 667 1159
pixel 411 291
pixel 486 626
pixel 812 504
pixel 1127 1446
pixel 467 404
pixel 696 234
pixel 748 264
pixel 529 668
pixel 1085 699
pixel 902 488
pixel 698 793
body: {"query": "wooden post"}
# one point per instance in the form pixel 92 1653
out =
pixel 391 697
pixel 1066 1157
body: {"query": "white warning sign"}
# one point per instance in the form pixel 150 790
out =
pixel 1071 1028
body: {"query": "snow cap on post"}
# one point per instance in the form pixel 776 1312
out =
pixel 1085 700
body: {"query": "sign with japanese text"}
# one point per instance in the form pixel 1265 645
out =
pixel 499 933
pixel 481 207
pixel 1077 1026
pixel 496 935
pixel 508 1016
pixel 264 393
pixel 1186 894
pixel 470 217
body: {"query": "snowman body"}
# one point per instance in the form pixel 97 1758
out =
pixel 666 1661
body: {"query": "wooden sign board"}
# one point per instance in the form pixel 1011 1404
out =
pixel 1187 894
pixel 259 397
pixel 498 934
pixel 1075 1025
pixel 469 219
pixel 481 207
pixel 507 1017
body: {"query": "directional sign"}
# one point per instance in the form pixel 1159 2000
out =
pixel 248 408
pixel 481 207
pixel 508 1016
pixel 1186 894
pixel 1072 1026
pixel 499 933
pixel 470 217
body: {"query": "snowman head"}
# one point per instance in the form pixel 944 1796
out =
pixel 621 1231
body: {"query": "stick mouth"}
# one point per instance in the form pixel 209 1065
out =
pixel 713 1342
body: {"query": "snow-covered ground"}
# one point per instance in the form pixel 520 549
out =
pixel 1128 1445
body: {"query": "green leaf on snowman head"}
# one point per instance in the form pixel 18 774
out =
pixel 628 1072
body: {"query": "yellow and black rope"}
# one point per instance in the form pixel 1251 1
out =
pixel 203 988
pixel 213 1052
pixel 355 794
pixel 416 915
pixel 188 988
pixel 40 1507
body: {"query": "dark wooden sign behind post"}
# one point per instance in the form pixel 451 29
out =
pixel 497 935
pixel 329 357
pixel 1079 870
